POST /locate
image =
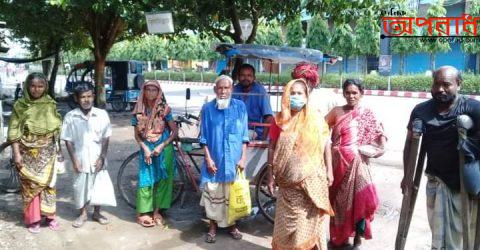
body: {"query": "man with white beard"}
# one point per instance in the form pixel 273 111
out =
pixel 224 138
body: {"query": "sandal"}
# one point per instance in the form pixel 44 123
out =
pixel 236 235
pixel 79 221
pixel 158 219
pixel 34 228
pixel 357 242
pixel 100 219
pixel 210 238
pixel 145 222
pixel 54 225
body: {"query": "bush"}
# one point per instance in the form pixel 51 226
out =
pixel 414 82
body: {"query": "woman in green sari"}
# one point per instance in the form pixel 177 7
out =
pixel 154 132
pixel 33 131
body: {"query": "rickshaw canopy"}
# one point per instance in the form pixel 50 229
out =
pixel 278 54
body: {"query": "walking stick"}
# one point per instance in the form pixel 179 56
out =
pixel 413 175
pixel 464 122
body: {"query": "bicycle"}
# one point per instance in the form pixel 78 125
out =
pixel 127 178
pixel 12 183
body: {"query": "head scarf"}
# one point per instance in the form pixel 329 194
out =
pixel 37 117
pixel 151 122
pixel 307 71
pixel 305 123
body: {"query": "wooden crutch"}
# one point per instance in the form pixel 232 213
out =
pixel 413 176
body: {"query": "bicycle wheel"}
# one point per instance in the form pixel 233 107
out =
pixel 127 179
pixel 12 183
pixel 179 181
pixel 266 202
pixel 119 105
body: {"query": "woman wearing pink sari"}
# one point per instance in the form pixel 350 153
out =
pixel 356 136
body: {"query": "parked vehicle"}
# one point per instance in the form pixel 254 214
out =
pixel 123 80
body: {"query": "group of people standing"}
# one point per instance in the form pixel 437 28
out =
pixel 319 173
pixel 318 159
pixel 36 130
pixel 315 160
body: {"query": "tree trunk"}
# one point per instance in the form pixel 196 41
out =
pixel 104 29
pixel 99 81
pixel 53 76
pixel 402 64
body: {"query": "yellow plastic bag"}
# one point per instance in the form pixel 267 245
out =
pixel 240 204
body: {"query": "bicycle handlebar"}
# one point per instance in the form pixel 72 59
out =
pixel 182 119
pixel 190 116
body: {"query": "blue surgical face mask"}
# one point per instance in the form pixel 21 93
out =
pixel 297 102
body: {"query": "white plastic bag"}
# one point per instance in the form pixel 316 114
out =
pixel 103 193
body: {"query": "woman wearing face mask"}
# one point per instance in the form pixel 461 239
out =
pixel 154 132
pixel 356 135
pixel 296 161
pixel 34 132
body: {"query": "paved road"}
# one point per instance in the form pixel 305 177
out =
pixel 394 112
pixel 186 225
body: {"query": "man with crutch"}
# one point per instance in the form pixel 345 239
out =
pixel 439 144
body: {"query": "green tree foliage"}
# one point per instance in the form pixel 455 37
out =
pixel 142 48
pixel 318 35
pixel 269 34
pixel 473 47
pixel 155 48
pixel 343 11
pixel 294 33
pixel 435 46
pixel 221 18
pixel 106 22
pixel 406 46
pixel 343 41
pixel 367 37
pixel 42 28
pixel 77 56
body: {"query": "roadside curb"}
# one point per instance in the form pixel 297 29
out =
pixel 386 93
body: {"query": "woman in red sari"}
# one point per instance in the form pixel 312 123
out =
pixel 356 136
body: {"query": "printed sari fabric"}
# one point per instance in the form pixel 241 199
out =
pixel 353 195
pixel 299 170
pixel 36 176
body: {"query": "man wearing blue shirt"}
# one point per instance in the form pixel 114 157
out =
pixel 256 99
pixel 223 136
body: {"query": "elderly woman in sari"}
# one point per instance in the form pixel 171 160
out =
pixel 34 132
pixel 154 132
pixel 356 136
pixel 296 161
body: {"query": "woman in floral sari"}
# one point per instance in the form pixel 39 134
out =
pixel 33 131
pixel 296 161
pixel 154 132
pixel 356 135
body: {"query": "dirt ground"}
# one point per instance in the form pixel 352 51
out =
pixel 186 226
